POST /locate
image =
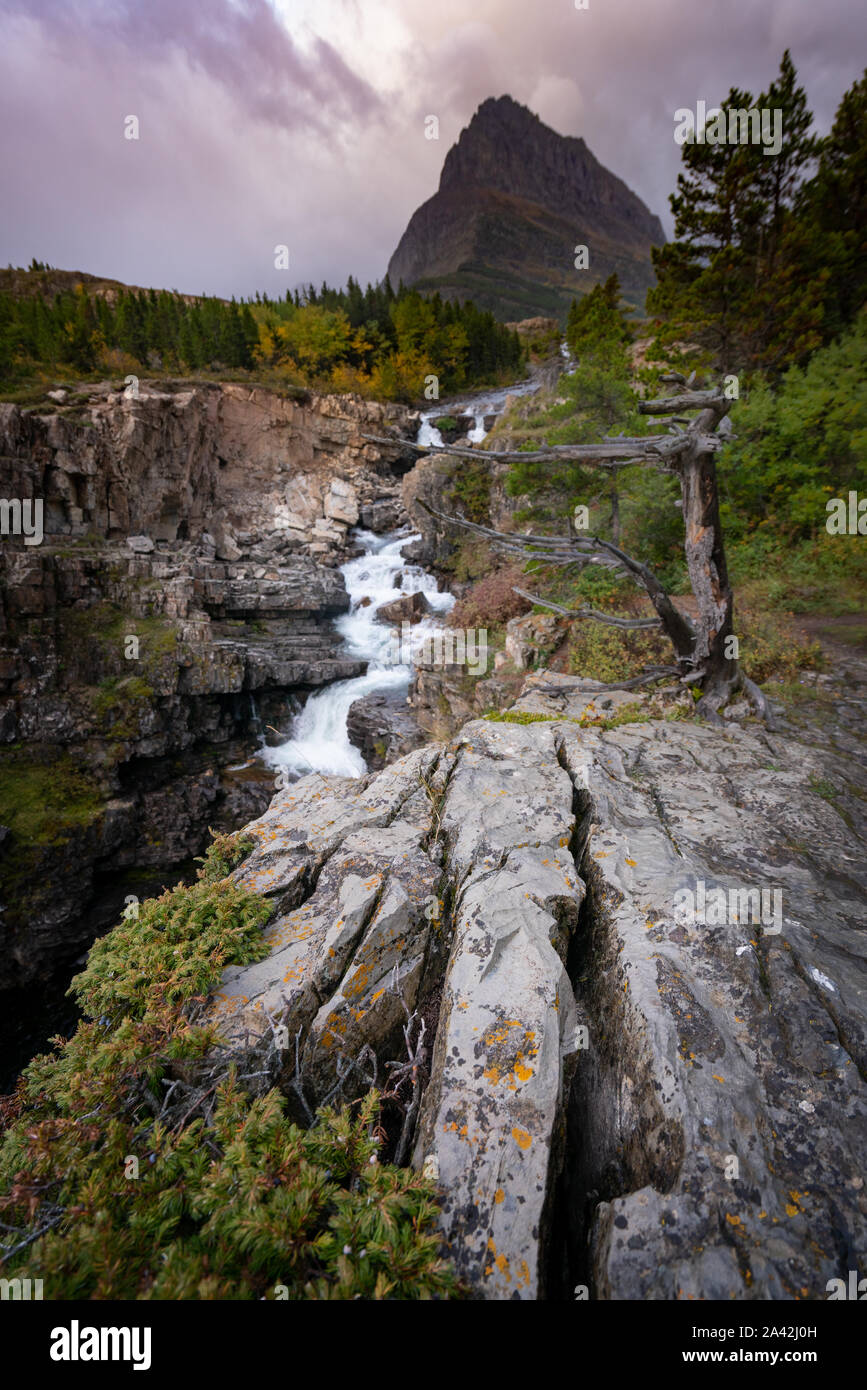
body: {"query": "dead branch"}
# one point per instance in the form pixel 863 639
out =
pixel 688 400
pixel 758 698
pixel 594 613
pixel 28 1240
pixel 677 625
pixel 655 449
pixel 648 676
pixel 411 1070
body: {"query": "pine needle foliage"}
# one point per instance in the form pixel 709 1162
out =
pixel 107 1191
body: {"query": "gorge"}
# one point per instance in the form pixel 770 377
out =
pixel 139 673
pixel 616 1097
pixel 183 597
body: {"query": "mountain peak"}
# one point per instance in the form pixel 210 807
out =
pixel 514 200
pixel 501 145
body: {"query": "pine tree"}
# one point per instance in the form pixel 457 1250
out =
pixel 732 281
pixel 834 206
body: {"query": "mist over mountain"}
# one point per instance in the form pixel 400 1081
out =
pixel 514 200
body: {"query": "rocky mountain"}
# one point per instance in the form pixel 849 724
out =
pixel 514 200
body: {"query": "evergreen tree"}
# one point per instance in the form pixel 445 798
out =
pixel 834 207
pixel 732 281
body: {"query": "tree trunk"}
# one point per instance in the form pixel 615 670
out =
pixel 706 653
pixel 615 516
pixel 708 572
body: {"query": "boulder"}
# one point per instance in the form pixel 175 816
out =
pixel 533 637
pixel 383 514
pixel 304 499
pixel 382 727
pixel 341 502
pixel 410 608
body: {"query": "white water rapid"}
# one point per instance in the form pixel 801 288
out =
pixel 319 741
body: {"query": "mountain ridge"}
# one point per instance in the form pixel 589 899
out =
pixel 514 200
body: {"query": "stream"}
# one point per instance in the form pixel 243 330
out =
pixel 319 741
pixel 318 738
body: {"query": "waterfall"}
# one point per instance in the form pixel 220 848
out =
pixel 320 742
pixel 255 720
pixel 480 406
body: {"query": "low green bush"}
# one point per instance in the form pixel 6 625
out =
pixel 109 1191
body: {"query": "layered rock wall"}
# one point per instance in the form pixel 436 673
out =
pixel 181 596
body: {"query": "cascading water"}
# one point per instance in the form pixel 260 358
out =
pixel 480 407
pixel 571 363
pixel 320 741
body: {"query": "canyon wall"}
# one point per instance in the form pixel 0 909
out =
pixel 182 597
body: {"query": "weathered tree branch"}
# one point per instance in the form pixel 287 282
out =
pixel 702 647
pixel 677 626
pixel 607 618
pixel 689 400
pixel 648 676
pixel 656 449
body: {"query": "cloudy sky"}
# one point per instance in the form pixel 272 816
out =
pixel 301 122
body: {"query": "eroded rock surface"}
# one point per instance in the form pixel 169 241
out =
pixel 628 1088
pixel 382 727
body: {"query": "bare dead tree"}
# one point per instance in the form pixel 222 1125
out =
pixel 703 652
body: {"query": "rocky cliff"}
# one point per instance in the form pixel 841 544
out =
pixel 620 1093
pixel 182 595
pixel 514 200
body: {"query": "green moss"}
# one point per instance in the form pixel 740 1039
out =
pixel 45 795
pixel 119 704
pixel 513 716
pixel 633 713
pixel 108 626
pixel 822 787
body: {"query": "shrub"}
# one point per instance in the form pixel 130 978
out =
pixel 491 602
pixel 113 1189
pixel 610 654
pixel 471 491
